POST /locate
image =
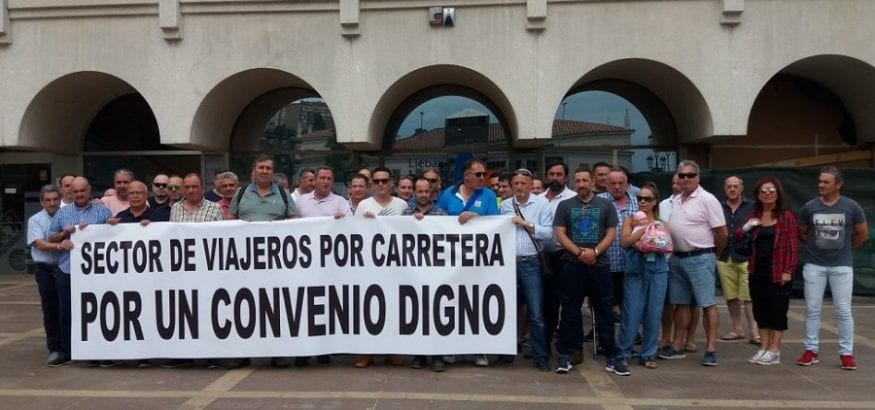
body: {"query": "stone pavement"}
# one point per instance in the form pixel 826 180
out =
pixel 27 383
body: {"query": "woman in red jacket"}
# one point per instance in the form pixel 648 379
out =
pixel 771 232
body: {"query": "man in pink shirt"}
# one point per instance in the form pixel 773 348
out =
pixel 698 230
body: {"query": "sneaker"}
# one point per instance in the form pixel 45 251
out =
pixel 212 364
pixel 756 356
pixel 710 359
pixel 481 360
pixel 504 360
pixel 670 354
pixel 109 363
pixel 848 362
pixel 56 359
pixel 808 358
pixel 618 367
pixel 563 365
pixel 769 358
pixel 143 363
pixel 418 362
pixel 438 365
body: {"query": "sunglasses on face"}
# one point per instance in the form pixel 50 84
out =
pixel 433 180
pixel 159 185
pixel 480 174
pixel 645 198
pixel 687 175
pixel 768 190
pixel 175 187
pixel 381 181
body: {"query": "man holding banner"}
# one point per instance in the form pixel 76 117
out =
pixel 82 213
pixel 467 200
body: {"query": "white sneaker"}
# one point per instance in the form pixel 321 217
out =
pixel 756 357
pixel 769 358
pixel 481 360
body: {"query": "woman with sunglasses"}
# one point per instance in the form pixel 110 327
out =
pixel 771 230
pixel 644 283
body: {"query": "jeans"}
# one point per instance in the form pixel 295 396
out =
pixel 575 280
pixel 62 283
pixel 841 283
pixel 551 299
pixel 48 293
pixel 693 277
pixel 643 298
pixel 530 290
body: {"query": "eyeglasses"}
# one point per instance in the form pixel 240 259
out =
pixel 159 185
pixel 687 175
pixel 480 174
pixel 524 172
pixel 381 181
pixel 174 187
pixel 645 198
pixel 433 180
pixel 768 190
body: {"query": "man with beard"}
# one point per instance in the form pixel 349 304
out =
pixel 160 194
pixel 423 195
pixel 557 191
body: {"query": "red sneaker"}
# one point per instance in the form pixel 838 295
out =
pixel 848 362
pixel 808 358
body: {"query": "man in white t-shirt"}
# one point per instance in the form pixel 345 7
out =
pixel 382 203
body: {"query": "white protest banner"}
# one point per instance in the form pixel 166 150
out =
pixel 300 287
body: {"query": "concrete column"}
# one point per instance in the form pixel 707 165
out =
pixel 5 37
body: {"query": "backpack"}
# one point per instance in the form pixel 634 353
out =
pixel 239 196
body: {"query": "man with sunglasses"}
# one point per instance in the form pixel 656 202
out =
pixel 160 194
pixel 699 234
pixel 468 200
pixel 382 203
pixel 174 188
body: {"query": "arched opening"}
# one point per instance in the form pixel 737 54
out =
pixel 439 117
pixel 270 111
pixel 815 111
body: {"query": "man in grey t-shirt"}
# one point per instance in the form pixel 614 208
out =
pixel 831 226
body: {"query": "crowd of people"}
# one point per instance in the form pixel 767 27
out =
pixel 643 262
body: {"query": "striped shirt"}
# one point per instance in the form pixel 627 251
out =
pixel 73 216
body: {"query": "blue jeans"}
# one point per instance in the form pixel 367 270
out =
pixel 62 283
pixel 841 284
pixel 643 298
pixel 48 294
pixel 530 290
pixel 575 280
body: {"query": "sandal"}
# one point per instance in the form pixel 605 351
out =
pixel 732 336
pixel 691 348
pixel 756 341
pixel 650 364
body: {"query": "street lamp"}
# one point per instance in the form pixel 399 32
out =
pixel 420 121
pixel 650 162
pixel 563 110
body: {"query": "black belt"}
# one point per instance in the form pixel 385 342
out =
pixel 527 257
pixel 48 266
pixel 696 252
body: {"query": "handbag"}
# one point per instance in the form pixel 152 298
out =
pixel 744 247
pixel 655 240
pixel 546 264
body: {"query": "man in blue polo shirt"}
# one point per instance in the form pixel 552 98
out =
pixel 467 200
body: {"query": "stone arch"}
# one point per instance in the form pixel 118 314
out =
pixel 234 111
pixel 849 79
pixel 673 106
pixel 429 82
pixel 58 117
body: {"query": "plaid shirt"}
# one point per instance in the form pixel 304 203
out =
pixel 73 215
pixel 785 255
pixel 615 251
pixel 205 212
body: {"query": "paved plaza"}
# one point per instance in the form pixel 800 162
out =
pixel 27 383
